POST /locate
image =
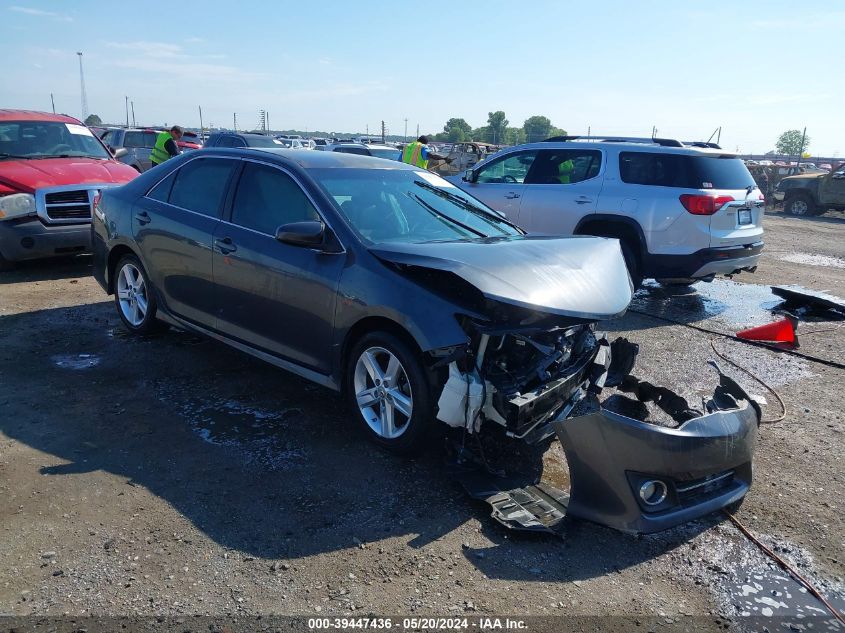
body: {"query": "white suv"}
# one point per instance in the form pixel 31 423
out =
pixel 681 211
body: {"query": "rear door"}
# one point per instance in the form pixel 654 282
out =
pixel 500 183
pixel 276 297
pixel 832 189
pixel 562 187
pixel 173 227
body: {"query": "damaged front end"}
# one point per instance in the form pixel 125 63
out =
pixel 629 469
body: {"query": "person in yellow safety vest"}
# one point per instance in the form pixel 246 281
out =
pixel 564 171
pixel 165 147
pixel 418 153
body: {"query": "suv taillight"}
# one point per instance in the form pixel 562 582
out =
pixel 704 204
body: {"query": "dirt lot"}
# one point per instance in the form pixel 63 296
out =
pixel 173 475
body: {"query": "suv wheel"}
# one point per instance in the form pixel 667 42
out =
pixel 134 297
pixel 800 204
pixel 387 387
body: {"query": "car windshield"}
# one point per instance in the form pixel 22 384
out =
pixel 399 205
pixel 260 141
pixel 385 152
pixel 48 139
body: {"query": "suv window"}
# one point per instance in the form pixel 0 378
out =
pixel 564 166
pixel 363 151
pixel 508 169
pixel 267 198
pixel 684 171
pixel 150 139
pixel 133 139
pixel 200 185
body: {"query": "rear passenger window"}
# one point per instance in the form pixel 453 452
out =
pixel 267 198
pixel 564 167
pixel 133 139
pixel 685 171
pixel 161 191
pixel 200 185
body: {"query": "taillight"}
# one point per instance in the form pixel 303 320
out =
pixel 704 204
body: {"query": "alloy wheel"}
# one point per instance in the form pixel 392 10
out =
pixel 383 392
pixel 798 207
pixel 132 294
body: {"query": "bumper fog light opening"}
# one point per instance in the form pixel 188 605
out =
pixel 653 492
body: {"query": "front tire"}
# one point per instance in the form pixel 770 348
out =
pixel 387 387
pixel 800 204
pixel 134 297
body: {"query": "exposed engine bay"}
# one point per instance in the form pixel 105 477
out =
pixel 627 471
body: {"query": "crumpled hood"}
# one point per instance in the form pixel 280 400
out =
pixel 27 175
pixel 581 277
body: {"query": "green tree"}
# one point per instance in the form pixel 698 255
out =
pixel 789 143
pixel 456 135
pixel 498 123
pixel 481 135
pixel 93 119
pixel 537 128
pixel 514 136
pixel 461 124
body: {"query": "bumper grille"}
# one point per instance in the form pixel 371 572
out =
pixel 695 491
pixel 68 206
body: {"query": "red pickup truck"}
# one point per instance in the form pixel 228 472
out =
pixel 51 169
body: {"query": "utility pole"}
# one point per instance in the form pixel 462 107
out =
pixel 801 151
pixel 653 131
pixel 382 132
pixel 200 109
pixel 127 110
pixel 418 130
pixel 84 97
pixel 53 102
pixel 132 105
pixel 405 137
pixel 267 114
pixel 235 121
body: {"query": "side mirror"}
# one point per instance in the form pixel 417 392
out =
pixel 469 176
pixel 120 152
pixel 308 234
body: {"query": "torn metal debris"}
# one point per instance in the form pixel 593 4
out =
pixel 799 301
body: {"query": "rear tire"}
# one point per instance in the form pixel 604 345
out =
pixel 388 390
pixel 800 204
pixel 134 297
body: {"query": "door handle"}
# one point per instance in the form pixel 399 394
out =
pixel 225 245
pixel 511 196
pixel 143 217
pixel 583 200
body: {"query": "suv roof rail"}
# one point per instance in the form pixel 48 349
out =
pixel 665 142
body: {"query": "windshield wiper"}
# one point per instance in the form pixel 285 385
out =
pixel 465 204
pixel 5 155
pixel 446 217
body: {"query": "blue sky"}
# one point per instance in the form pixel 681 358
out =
pixel 756 68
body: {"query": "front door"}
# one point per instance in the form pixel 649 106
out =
pixel 500 183
pixel 173 227
pixel 562 187
pixel 832 189
pixel 273 296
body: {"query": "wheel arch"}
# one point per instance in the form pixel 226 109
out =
pixel 369 324
pixel 801 191
pixel 618 226
pixel 117 251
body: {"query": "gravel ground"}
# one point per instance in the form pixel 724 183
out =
pixel 173 476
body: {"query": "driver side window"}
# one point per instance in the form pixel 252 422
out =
pixel 508 169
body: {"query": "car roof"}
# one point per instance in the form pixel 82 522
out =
pixel 626 146
pixel 34 115
pixel 310 159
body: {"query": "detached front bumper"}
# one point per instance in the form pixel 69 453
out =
pixel 31 239
pixel 704 464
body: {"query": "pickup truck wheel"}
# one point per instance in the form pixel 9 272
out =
pixel 134 297
pixel 799 204
pixel 387 388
